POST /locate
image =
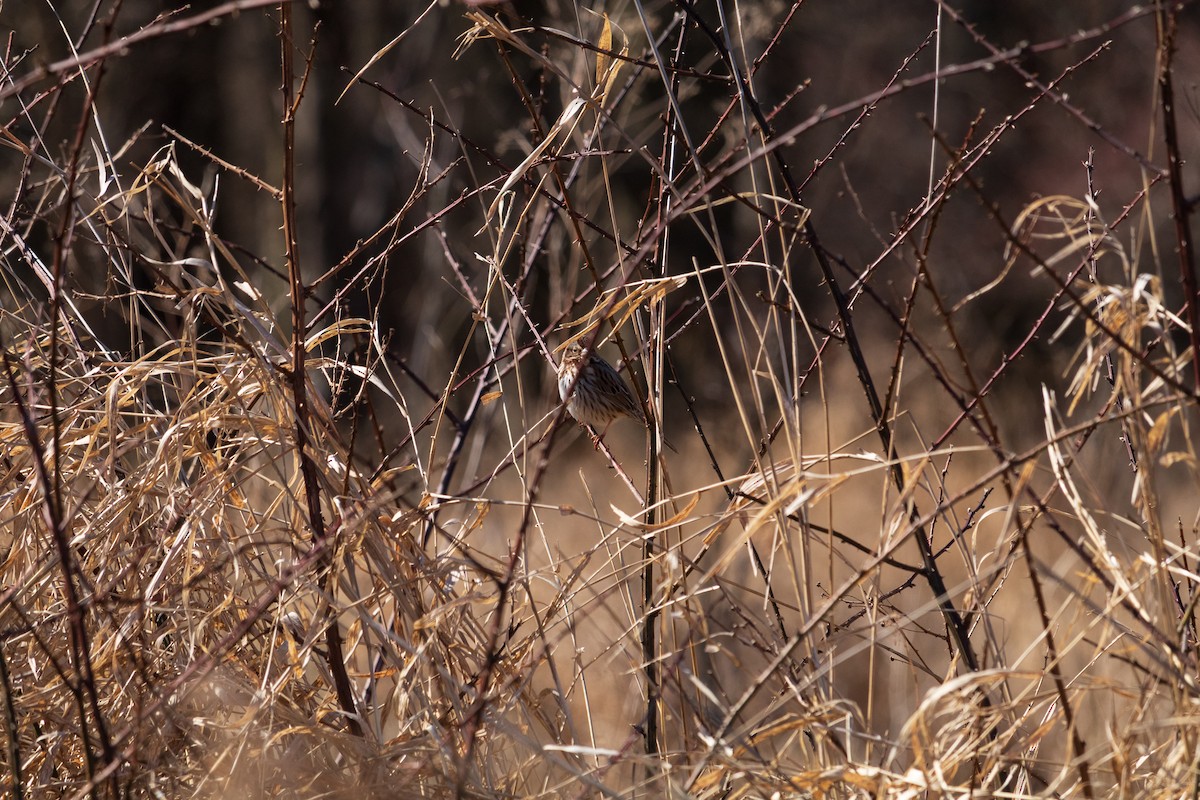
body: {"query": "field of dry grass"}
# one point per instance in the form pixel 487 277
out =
pixel 289 506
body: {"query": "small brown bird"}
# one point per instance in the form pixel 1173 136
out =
pixel 600 395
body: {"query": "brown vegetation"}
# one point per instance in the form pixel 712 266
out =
pixel 289 504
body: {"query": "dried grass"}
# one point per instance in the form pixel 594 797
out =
pixel 241 559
